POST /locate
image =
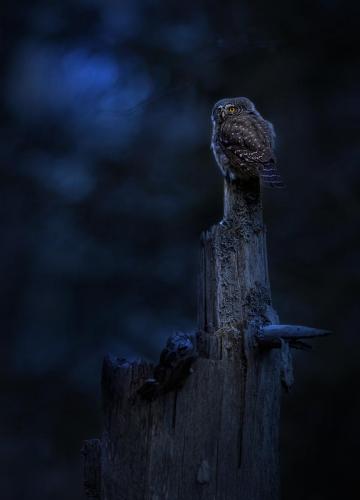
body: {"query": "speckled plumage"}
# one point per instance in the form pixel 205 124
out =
pixel 243 142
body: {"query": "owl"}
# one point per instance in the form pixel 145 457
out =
pixel 243 142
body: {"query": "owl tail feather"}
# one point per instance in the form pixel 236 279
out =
pixel 270 176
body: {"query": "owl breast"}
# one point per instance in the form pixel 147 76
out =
pixel 246 142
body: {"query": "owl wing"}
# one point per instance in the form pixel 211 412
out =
pixel 248 144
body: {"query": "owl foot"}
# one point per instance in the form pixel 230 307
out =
pixel 229 177
pixel 226 222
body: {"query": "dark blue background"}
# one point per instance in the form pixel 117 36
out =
pixel 107 181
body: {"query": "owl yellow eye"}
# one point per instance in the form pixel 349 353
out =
pixel 231 109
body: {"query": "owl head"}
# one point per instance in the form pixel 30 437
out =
pixel 231 106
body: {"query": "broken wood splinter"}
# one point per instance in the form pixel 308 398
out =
pixel 271 336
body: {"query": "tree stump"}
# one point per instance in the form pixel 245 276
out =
pixel 204 423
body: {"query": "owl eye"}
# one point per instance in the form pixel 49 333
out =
pixel 231 109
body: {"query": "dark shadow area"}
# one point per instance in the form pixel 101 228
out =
pixel 107 181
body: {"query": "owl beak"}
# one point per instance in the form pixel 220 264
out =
pixel 222 112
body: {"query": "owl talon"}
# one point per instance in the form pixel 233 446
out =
pixel 226 223
pixel 228 177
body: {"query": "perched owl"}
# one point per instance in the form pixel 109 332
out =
pixel 243 142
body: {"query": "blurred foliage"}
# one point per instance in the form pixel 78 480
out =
pixel 107 182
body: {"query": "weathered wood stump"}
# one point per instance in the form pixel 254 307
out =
pixel 204 424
